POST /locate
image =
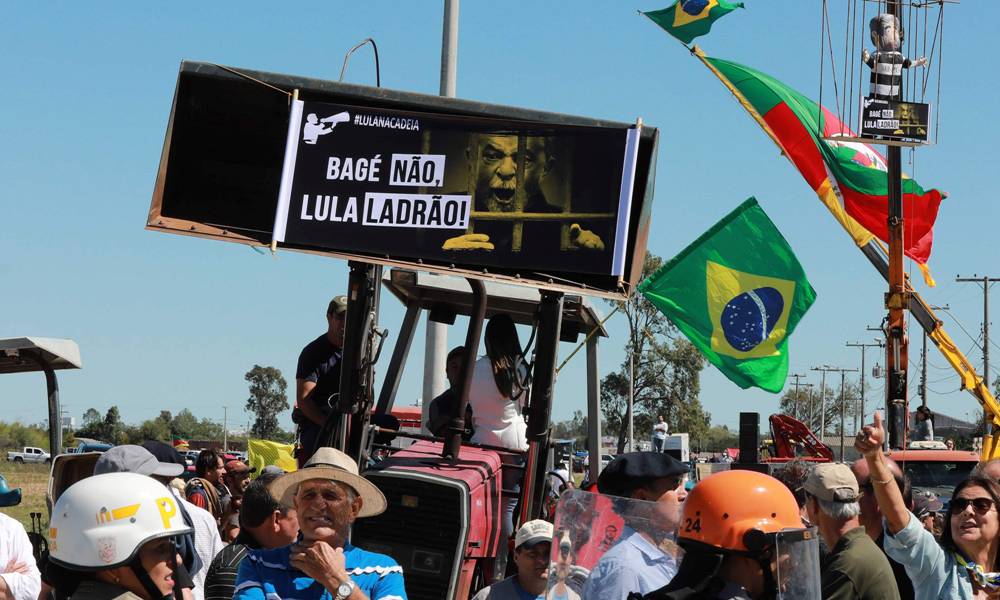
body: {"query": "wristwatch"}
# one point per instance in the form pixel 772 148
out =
pixel 344 590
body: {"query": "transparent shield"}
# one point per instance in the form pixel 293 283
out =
pixel 797 564
pixel 591 528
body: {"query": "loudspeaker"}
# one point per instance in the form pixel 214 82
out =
pixel 749 437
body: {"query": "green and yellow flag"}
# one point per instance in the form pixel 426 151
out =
pixel 261 453
pixel 687 19
pixel 737 293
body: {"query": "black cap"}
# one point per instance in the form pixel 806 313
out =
pixel 634 469
pixel 164 452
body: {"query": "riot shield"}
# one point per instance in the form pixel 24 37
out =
pixel 597 538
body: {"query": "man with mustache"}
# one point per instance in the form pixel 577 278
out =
pixel 496 175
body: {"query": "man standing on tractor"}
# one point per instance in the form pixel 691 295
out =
pixel 532 547
pixel 637 562
pixel 743 539
pixel 317 379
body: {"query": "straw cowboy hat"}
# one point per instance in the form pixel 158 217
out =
pixel 333 465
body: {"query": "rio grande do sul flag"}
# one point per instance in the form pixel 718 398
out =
pixel 688 19
pixel 737 292
pixel 849 177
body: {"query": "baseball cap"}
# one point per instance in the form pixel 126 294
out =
pixel 926 503
pixel 337 306
pixel 238 466
pixel 129 458
pixel 832 483
pixel 272 470
pixel 627 471
pixel 533 532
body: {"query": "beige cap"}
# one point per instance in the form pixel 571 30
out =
pixel 832 482
pixel 337 306
pixel 533 532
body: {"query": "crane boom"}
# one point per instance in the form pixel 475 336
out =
pixel 971 380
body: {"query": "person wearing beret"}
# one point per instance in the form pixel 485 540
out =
pixel 637 562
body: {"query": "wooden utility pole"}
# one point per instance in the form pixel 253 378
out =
pixel 795 398
pixel 863 346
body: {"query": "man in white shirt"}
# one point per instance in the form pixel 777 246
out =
pixel 19 576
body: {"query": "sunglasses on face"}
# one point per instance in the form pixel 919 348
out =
pixel 980 505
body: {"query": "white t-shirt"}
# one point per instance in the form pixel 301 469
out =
pixel 497 418
pixel 207 542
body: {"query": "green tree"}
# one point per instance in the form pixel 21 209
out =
pixel 805 406
pixel 717 439
pixel 267 399
pixel 184 424
pixel 91 417
pixel 575 429
pixel 666 369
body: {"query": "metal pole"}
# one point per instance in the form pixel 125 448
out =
pixel 52 387
pixel 449 48
pixel 923 373
pixel 225 428
pixel 593 410
pixel 436 341
pixel 631 400
pixel 550 312
pixel 897 299
pixel 453 439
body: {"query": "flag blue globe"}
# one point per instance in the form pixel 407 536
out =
pixel 694 7
pixel 748 319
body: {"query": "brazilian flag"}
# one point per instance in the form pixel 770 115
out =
pixel 687 19
pixel 737 293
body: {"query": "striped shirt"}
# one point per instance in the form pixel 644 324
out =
pixel 887 74
pixel 221 580
pixel 267 575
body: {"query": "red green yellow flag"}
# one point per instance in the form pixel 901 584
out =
pixel 848 176
pixel 688 19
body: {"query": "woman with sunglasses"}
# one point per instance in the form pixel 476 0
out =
pixel 963 564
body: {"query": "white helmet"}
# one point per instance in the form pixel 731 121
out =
pixel 101 522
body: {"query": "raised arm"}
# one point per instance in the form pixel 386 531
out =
pixel 887 493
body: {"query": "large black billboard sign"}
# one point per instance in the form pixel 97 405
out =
pixel 471 192
pixel 894 120
pixel 439 184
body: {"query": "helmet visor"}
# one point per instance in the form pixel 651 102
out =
pixel 796 564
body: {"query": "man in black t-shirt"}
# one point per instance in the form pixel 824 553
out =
pixel 317 379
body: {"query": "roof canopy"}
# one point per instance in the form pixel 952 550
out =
pixel 58 353
pixel 445 296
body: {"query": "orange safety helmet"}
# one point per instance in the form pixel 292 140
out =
pixel 736 510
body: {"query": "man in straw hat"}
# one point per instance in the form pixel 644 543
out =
pixel 328 494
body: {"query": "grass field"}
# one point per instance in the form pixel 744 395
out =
pixel 33 481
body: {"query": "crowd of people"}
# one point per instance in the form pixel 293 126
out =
pixel 133 530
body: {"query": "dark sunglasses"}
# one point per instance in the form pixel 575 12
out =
pixel 980 505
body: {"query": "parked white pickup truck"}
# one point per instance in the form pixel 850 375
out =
pixel 29 455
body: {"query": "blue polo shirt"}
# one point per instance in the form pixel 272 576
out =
pixel 633 564
pixel 267 575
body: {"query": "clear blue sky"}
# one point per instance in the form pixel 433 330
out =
pixel 170 322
